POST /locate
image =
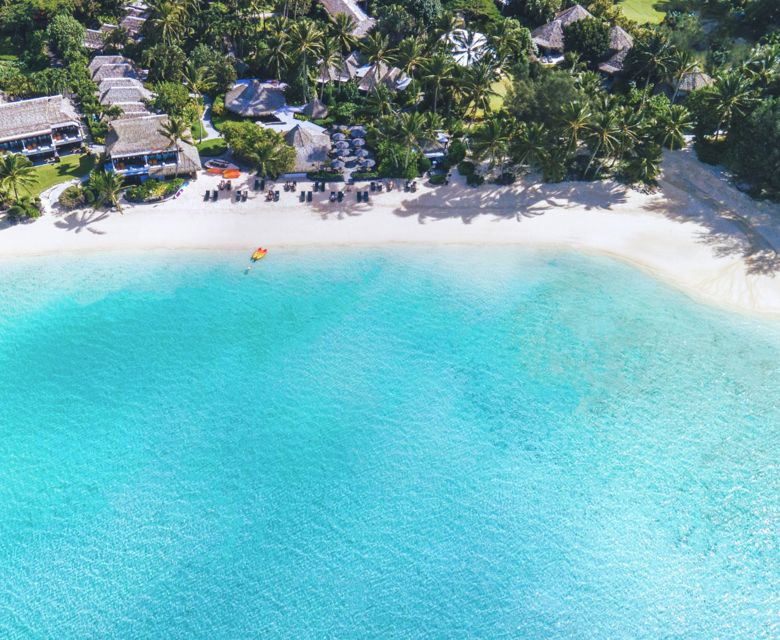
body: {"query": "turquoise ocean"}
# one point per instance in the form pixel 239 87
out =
pixel 389 443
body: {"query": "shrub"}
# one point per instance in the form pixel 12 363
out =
pixel 457 152
pixel 153 190
pixel 505 178
pixel 365 175
pixel 466 168
pixel 218 107
pixel 423 165
pixel 73 197
pixel 710 151
pixel 438 180
pixel 474 180
pixel 326 176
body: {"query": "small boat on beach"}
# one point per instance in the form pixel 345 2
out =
pixel 259 254
pixel 219 167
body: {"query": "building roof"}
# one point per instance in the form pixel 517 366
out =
pixel 99 61
pixel 95 39
pixel 311 149
pixel 133 24
pixel 254 98
pixel 391 77
pixel 135 136
pixel 315 109
pixel 615 63
pixel 550 35
pixel 125 83
pixel 124 70
pixel 363 23
pixel 620 39
pixel 693 80
pixel 117 95
pixel 347 72
pixel 35 117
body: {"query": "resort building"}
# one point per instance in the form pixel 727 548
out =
pixel 255 99
pixel 132 23
pixel 119 85
pixel 392 77
pixel 549 37
pixel 692 80
pixel 363 22
pixel 346 72
pixel 136 149
pixel 315 109
pixel 620 43
pixel 311 146
pixel 42 129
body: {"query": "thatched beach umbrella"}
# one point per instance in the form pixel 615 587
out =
pixel 341 152
pixel 357 131
pixel 337 164
pixel 367 163
pixel 338 137
pixel 341 144
pixel 361 153
pixel 358 142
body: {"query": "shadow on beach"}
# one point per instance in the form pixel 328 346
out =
pixel 82 220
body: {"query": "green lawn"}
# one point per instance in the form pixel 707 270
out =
pixel 213 147
pixel 73 166
pixel 644 11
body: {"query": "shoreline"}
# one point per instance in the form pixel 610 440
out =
pixel 696 232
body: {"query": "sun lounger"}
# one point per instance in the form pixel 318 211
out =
pixel 244 195
pixel 214 194
pixel 359 196
pixel 340 196
pixel 308 196
pixel 333 196
pixel 207 196
pixel 276 196
pixel 302 197
pixel 365 196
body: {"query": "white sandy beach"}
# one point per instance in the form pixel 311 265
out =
pixel 696 232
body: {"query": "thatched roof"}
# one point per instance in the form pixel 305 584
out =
pixel 133 24
pixel 138 136
pixel 311 149
pixel 620 39
pixel 123 70
pixel 347 72
pixel 35 117
pixel 254 98
pixel 550 35
pixel 117 95
pixel 99 61
pixel 315 109
pixel 363 23
pixel 388 76
pixel 116 83
pixel 95 38
pixel 694 80
pixel 615 64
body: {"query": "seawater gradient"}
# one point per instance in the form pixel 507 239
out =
pixel 410 443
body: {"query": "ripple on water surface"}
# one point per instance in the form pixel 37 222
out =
pixel 388 444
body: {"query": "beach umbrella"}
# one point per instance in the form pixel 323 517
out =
pixel 358 132
pixel 341 152
pixel 358 142
pixel 341 144
pixel 361 153
pixel 338 137
pixel 367 163
pixel 337 164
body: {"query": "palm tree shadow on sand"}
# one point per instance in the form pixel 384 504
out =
pixel 78 221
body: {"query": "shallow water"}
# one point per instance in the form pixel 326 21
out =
pixel 446 443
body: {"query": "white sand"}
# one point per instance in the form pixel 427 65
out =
pixel 697 232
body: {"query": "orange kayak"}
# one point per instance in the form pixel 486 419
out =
pixel 259 254
pixel 231 174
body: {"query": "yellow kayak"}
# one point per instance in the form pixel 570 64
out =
pixel 259 254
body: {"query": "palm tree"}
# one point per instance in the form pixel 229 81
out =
pixel 630 125
pixel 437 72
pixel 411 127
pixel 200 80
pixel 651 54
pixel 16 172
pixel 107 187
pixel 379 53
pixel 176 131
pixel 672 126
pixel 275 54
pixel 729 96
pixel 330 57
pixel 491 140
pixel 529 144
pixel 306 41
pixel 342 27
pixel 478 86
pixel 169 21
pixel 680 63
pixel 411 55
pixel 575 120
pixel 603 136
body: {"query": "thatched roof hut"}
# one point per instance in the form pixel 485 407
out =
pixel 99 61
pixel 311 148
pixel 391 77
pixel 550 35
pixel 315 109
pixel 34 117
pixel 614 65
pixel 694 80
pixel 363 23
pixel 620 39
pixel 347 71
pixel 253 98
pixel 141 136
pixel 123 70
